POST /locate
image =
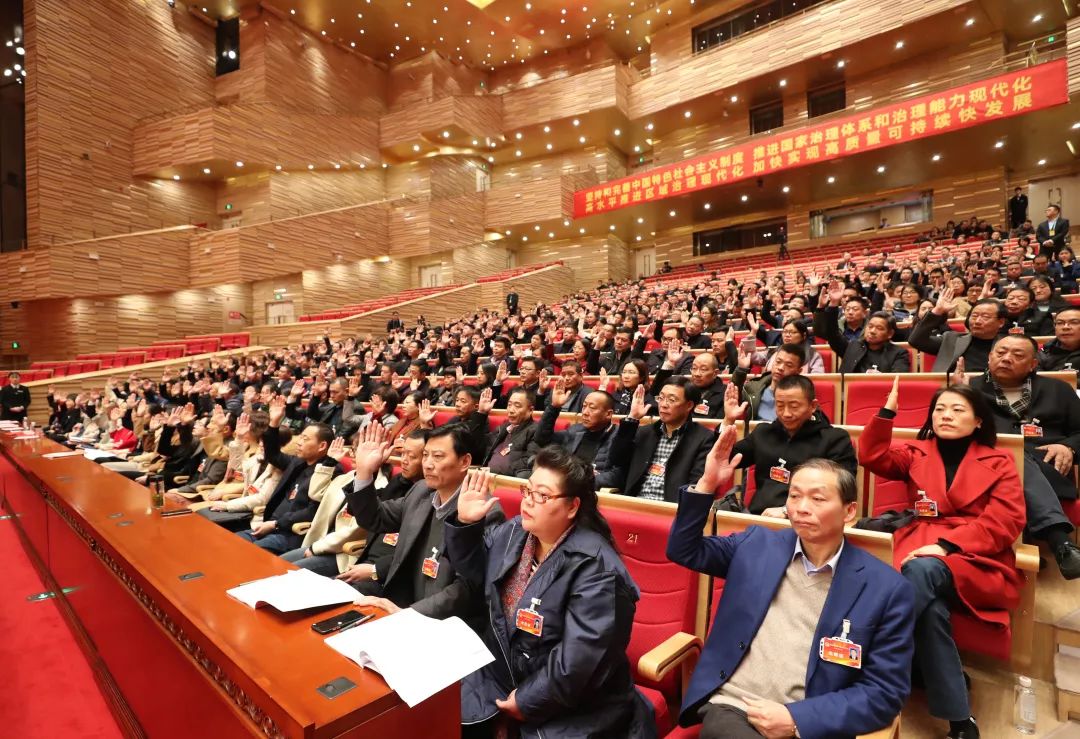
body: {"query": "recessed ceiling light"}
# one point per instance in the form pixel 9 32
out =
pixel 536 227
pixel 518 135
pixel 671 213
pixel 239 164
pixel 1037 18
pixel 277 167
pixel 176 177
pixel 1076 125
pixel 783 83
pixel 550 146
pixel 517 153
pixel 640 219
pixel 206 170
pixel 617 132
pixel 1042 162
pixel 551 234
pixel 547 129
pixel 581 230
pixel 337 166
pixel 881 169
pixel 648 126
pixel 637 148
pixel 581 139
pixel 708 206
pixel 687 113
pixel 311 166
pixel 734 98
pixel 900 44
pixel 446 134
pixel 576 122
pixel 935 158
pixel 524 238
pixel 831 179
pixel 744 198
pixel 785 188
pixel 416 147
pixel 999 144
pixel 637 238
pixel 970 22
pixel 611 227
pixel 491 159
pixel 840 64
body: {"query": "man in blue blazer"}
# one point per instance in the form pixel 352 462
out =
pixel 813 637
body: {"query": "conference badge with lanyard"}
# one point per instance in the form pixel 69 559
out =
pixel 1031 430
pixel 924 507
pixel 430 568
pixel 529 619
pixel 839 650
pixel 780 473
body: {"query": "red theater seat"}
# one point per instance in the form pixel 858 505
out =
pixel 864 395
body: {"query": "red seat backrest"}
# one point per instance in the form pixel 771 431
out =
pixel 826 398
pixel 668 591
pixel 828 357
pixel 444 417
pixel 563 422
pixel 865 398
pixel 510 500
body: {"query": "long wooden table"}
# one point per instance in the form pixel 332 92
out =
pixel 176 656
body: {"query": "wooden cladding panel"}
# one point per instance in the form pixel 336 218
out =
pixel 453 176
pixel 581 93
pixel 248 83
pixel 407 180
pixel 588 258
pixel 84 98
pixel 679 76
pixel 529 202
pixel 449 78
pixel 477 260
pixel 410 229
pixel 543 286
pixel 606 162
pixel 249 196
pixel 338 285
pixel 185 139
pixel 265 291
pixel 300 193
pixel 1072 40
pixel 559 64
pixel 456 222
pixel 424 119
pixel 104 324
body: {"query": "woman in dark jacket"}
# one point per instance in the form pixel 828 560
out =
pixel 561 606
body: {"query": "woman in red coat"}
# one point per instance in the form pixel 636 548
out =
pixel 958 553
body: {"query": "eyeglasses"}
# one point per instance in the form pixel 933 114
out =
pixel 1070 323
pixel 535 496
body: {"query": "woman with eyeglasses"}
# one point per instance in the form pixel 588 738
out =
pixel 561 606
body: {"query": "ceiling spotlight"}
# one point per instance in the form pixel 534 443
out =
pixel 536 227
pixel 881 169
pixel 970 22
pixel 637 238
pixel 999 145
pixel 576 122
pixel 1042 162
pixel 648 126
pixel 1076 125
pixel 935 158
pixel 671 213
pixel 566 222
pixel 547 129
pixel 518 135
pixel 311 166
pixel 277 167
pixel 840 64
pixel 636 148
pixel 900 44
pixel 744 198
pixel 551 234
pixel 611 227
pixel 176 177
pixel 416 147
pixel 1037 18
pixel 239 164
pixel 581 139
pixel 831 179
pixel 708 206
pixel 687 114
pixel 617 132
pixel 206 170
pixel 7 72
pixel 20 51
pixel 640 219
pixel 783 83
pixel 785 189
pixel 446 134
pixel 581 230
pixel 734 98
pixel 337 166
pixel 517 153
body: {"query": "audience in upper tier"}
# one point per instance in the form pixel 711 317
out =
pixel 308 450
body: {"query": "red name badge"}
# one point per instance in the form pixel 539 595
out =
pixel 926 507
pixel 202 465
pixel 1016 330
pixel 430 568
pixel 390 539
pixel 295 492
pixel 702 409
pixel 656 469
pixel 529 621
pixel 780 474
pixel 252 490
pixel 841 652
pixel 1031 429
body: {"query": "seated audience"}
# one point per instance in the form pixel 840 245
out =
pixel 760 392
pixel 506 449
pixel 985 323
pixel 1063 351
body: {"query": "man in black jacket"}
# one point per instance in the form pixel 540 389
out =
pixel 1046 412
pixel 623 352
pixel 419 576
pixel 1051 233
pixel 372 566
pixel 1063 351
pixel 774 449
pixel 596 440
pixel 705 376
pixel 872 351
pixel 14 399
pixel 671 452
pixel 985 322
pixel 296 497
pixel 1023 317
pixel 507 451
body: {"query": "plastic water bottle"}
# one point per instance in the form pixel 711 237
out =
pixel 1024 706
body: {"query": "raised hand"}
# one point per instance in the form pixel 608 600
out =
pixel 720 466
pixel 638 408
pixel 487 401
pixel 559 395
pixel 337 449
pixel 893 401
pixel 297 389
pixel 427 414
pixel 372 451
pixel 501 372
pixel 603 380
pixel 542 381
pixel 675 353
pixel 733 409
pixel 474 503
pixel 277 410
pixel 459 374
pixel 746 358
pixel 187 414
pixel 959 375
pixel 946 302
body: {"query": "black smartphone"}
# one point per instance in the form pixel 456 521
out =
pixel 340 621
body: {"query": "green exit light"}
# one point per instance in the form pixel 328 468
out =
pixel 1050 40
pixel 15 345
pixel 228 206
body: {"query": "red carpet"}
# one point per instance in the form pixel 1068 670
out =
pixel 49 690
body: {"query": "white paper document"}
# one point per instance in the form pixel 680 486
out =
pixel 416 655
pixel 93 454
pixel 294 591
pixel 61 455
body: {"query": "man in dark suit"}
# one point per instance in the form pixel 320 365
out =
pixel 872 350
pixel 596 440
pixel 1051 233
pixel 1046 412
pixel 372 566
pixel 512 303
pixel 985 322
pixel 705 375
pixel 670 452
pixel 14 399
pixel 1018 205
pixel 419 576
pixel 394 323
pixel 303 478
pixel 507 450
pixel 813 637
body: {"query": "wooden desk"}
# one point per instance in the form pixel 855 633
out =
pixel 180 658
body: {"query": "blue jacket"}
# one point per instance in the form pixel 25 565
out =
pixel 612 454
pixel 840 701
pixel 574 680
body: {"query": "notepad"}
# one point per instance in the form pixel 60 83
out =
pixel 61 455
pixel 294 591
pixel 93 454
pixel 417 656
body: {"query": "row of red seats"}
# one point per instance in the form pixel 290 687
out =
pixel 506 274
pixel 63 369
pixel 376 303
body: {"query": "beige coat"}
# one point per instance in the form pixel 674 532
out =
pixel 332 508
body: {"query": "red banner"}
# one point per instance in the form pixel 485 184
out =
pixel 1005 96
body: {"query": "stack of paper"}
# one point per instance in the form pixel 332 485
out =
pixel 60 455
pixel 416 655
pixel 294 591
pixel 93 454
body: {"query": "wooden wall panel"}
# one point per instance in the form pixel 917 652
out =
pixel 479 260
pixel 102 324
pixel 249 196
pixel 410 228
pixel 247 84
pixel 84 98
pixel 410 82
pixel 1072 40
pixel 606 162
pixel 453 176
pixel 409 179
pixel 263 292
pixel 678 76
pixel 581 93
pixel 451 78
pixel 456 222
pixel 543 286
pixel 424 120
pixel 303 192
pixel 529 202
pixel 338 285
pixel 588 258
pixel 559 64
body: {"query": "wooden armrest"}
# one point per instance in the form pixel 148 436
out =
pixel 608 491
pixel 1027 557
pixel 180 479
pixel 889 732
pixel 301 527
pixel 354 548
pixel 231 496
pixel 680 649
pixel 204 488
pixel 258 510
pixel 200 504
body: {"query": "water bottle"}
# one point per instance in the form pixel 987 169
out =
pixel 156 483
pixel 1024 706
